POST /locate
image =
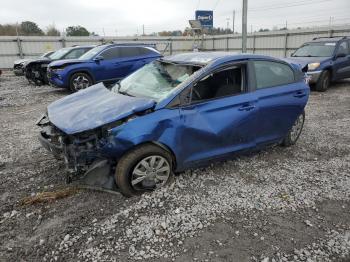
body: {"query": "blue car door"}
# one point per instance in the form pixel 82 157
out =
pixel 130 60
pixel 281 99
pixel 341 67
pixel 107 68
pixel 221 117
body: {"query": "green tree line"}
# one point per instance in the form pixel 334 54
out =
pixel 29 28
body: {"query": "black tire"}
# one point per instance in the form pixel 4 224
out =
pixel 85 78
pixel 291 138
pixel 324 81
pixel 128 162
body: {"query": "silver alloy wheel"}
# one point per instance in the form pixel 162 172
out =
pixel 297 127
pixel 80 82
pixel 151 172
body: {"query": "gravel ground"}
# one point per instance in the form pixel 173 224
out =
pixel 280 204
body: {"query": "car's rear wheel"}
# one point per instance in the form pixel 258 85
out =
pixel 294 133
pixel 145 168
pixel 324 81
pixel 79 81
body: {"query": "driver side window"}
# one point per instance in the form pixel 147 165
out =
pixel 343 48
pixel 226 82
pixel 111 53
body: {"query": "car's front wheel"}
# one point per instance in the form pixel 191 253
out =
pixel 145 168
pixel 324 81
pixel 294 133
pixel 79 81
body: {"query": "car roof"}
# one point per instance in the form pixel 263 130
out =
pixel 129 44
pixel 204 58
pixel 80 46
pixel 328 39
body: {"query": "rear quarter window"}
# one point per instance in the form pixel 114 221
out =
pixel 270 74
pixel 145 51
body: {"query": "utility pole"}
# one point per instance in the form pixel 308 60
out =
pixel 17 29
pixel 233 21
pixel 330 20
pixel 286 25
pixel 228 24
pixel 244 25
pixel 103 30
pixel 143 30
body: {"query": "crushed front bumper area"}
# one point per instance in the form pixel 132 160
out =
pixel 314 76
pixel 36 74
pixel 46 142
pixel 18 70
pixel 80 154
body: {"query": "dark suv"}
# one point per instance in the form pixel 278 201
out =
pixel 35 70
pixel 106 63
pixel 327 58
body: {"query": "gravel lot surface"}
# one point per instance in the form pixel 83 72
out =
pixel 280 204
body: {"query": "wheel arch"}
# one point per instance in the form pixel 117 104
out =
pixel 84 70
pixel 330 70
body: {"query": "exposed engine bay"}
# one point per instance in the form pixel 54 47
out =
pixel 36 73
pixel 81 154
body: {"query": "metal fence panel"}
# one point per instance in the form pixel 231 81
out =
pixel 274 43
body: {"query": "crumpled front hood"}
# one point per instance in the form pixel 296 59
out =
pixel 40 61
pixel 303 61
pixel 93 107
pixel 66 62
pixel 21 61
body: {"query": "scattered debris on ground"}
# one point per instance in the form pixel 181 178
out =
pixel 47 197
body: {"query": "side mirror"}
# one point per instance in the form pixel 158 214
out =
pixel 340 55
pixel 98 58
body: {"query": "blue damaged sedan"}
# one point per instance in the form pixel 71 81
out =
pixel 176 113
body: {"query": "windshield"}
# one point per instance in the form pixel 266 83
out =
pixel 155 80
pixel 60 53
pixel 316 50
pixel 47 54
pixel 92 52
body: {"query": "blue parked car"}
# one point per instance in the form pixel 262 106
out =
pixel 175 113
pixel 105 63
pixel 328 59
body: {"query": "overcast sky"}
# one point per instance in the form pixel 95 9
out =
pixel 116 17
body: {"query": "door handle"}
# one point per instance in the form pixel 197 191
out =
pixel 246 107
pixel 300 94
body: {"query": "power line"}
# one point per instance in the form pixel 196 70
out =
pixel 281 5
pixel 258 9
pixel 216 4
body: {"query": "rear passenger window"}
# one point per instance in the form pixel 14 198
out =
pixel 110 53
pixel 129 51
pixel 269 74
